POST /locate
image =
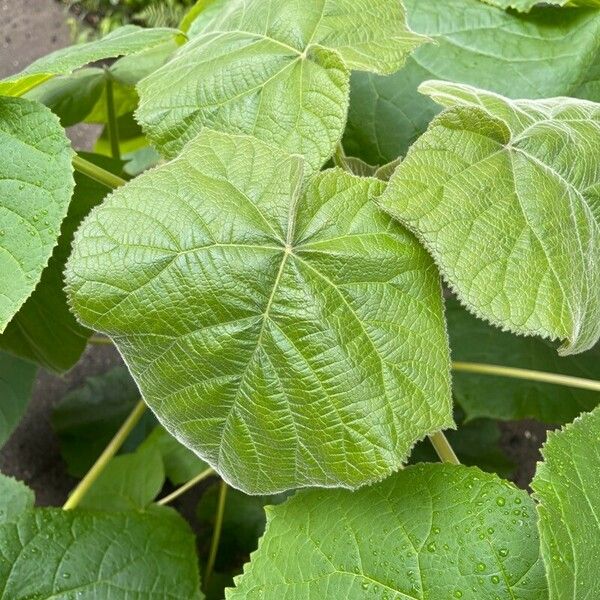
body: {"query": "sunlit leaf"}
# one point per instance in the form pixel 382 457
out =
pixel 290 336
pixel 505 195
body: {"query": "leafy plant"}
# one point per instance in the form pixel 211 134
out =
pixel 263 230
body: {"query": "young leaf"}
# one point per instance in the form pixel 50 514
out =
pixel 567 488
pixel 527 5
pixel 288 337
pixel 16 382
pixel 180 464
pixel 431 531
pixel 36 183
pixel 480 46
pixel 276 70
pixel 52 553
pixel 129 482
pixel 86 419
pixel 125 40
pixel 472 340
pixel 16 498
pixel 531 166
pixel 45 316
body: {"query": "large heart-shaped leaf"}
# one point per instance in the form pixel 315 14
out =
pixel 473 340
pixel 431 531
pixel 129 39
pixel 16 382
pixel 505 194
pixel 567 488
pixel 276 70
pixel 36 183
pixel 290 337
pixel 52 553
pixel 480 46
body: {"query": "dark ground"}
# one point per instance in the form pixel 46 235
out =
pixel 29 29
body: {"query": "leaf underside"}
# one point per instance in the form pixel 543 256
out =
pixel 321 317
pixel 430 531
pixel 36 183
pixel 528 5
pixel 275 70
pixel 567 488
pixel 531 166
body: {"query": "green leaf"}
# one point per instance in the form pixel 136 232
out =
pixel 276 70
pixel 431 531
pixel 480 46
pixel 36 183
pixel 200 15
pixel 52 553
pixel 472 340
pixel 128 482
pixel 528 5
pixel 16 383
pixel 87 418
pixel 45 317
pixel 126 40
pixel 16 498
pixel 531 166
pixel 82 95
pixel 180 464
pixel 278 332
pixel 567 488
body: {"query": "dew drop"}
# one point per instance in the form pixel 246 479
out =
pixel 495 579
pixel 500 501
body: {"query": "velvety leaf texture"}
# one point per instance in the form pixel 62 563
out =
pixel 550 52
pixel 431 531
pixel 129 39
pixel 567 488
pixel 36 183
pixel 52 553
pixel 290 336
pixel 473 340
pixel 16 383
pixel 532 166
pixel 275 70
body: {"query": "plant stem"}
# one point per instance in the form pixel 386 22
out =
pixel 186 486
pixel 566 380
pixel 214 544
pixel 443 448
pixel 339 157
pixel 113 126
pixel 100 341
pixel 97 173
pixel 90 477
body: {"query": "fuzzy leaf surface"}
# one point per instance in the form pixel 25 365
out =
pixel 16 383
pixel 129 39
pixel 289 335
pixel 52 553
pixel 430 531
pixel 275 70
pixel 532 166
pixel 473 340
pixel 36 183
pixel 481 46
pixel 567 488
